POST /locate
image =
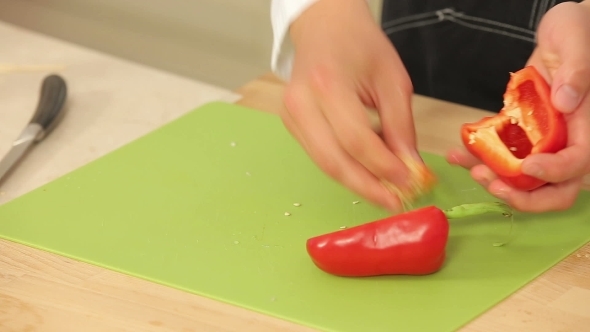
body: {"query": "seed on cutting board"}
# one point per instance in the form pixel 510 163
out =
pixel 355 202
pixel 297 204
pixel 232 144
pixel 287 214
pixel 342 227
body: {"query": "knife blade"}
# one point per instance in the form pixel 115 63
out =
pixel 48 114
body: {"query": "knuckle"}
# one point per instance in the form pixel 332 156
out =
pixel 330 167
pixel 406 86
pixel 555 176
pixel 571 195
pixel 327 162
pixel 353 144
pixel 291 98
pixel 559 170
pixel 321 78
pixel 565 205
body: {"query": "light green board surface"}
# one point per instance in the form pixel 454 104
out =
pixel 184 208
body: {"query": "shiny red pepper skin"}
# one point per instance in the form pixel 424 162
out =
pixel 412 243
pixel 527 124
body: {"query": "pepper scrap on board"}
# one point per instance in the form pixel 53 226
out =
pixel 527 124
pixel 411 243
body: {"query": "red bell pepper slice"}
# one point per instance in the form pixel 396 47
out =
pixel 411 243
pixel 527 124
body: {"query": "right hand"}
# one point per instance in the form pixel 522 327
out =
pixel 343 65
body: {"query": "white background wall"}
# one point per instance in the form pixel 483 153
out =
pixel 224 42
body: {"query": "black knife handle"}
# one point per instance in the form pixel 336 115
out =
pixel 50 109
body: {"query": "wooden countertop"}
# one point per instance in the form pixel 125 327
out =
pixel 40 291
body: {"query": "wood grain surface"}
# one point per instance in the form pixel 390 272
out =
pixel 40 291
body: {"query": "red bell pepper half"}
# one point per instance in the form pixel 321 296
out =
pixel 527 124
pixel 411 243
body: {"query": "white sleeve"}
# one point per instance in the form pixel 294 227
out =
pixel 283 13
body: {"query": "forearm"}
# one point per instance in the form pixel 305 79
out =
pixel 283 13
pixel 286 25
pixel 326 12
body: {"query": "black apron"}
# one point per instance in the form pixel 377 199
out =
pixel 463 50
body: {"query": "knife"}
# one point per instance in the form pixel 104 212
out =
pixel 49 112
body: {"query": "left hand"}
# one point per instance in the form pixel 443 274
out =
pixel 562 56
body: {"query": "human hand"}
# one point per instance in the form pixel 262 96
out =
pixel 562 56
pixel 343 65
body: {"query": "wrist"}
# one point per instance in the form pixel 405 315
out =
pixel 326 13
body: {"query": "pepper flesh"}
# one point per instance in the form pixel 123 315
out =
pixel 527 124
pixel 412 243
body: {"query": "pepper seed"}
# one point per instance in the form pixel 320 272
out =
pixel 297 204
pixel 287 214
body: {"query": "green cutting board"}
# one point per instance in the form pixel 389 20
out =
pixel 199 205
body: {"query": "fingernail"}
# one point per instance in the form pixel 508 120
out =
pixel 502 193
pixel 453 158
pixel 566 99
pixel 483 179
pixel 414 154
pixel 532 169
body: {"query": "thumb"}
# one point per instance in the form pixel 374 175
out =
pixel 564 41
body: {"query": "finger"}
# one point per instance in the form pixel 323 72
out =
pixel 536 61
pixel 483 175
pixel 569 162
pixel 554 197
pixel 564 36
pixel 347 115
pixel 393 99
pixel 293 129
pixel 461 157
pixel 304 118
